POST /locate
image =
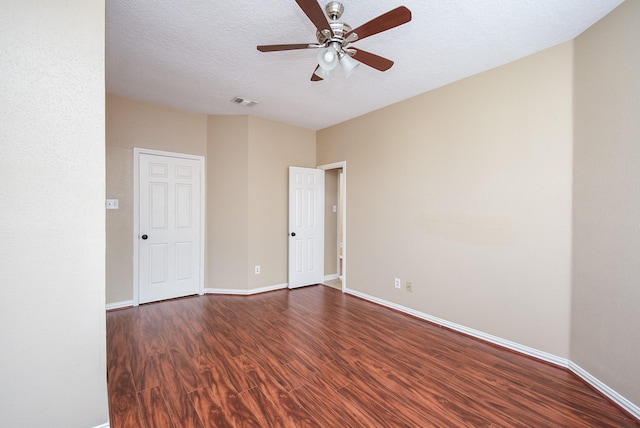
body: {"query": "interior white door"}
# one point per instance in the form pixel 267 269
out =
pixel 306 226
pixel 169 227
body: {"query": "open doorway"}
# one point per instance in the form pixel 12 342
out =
pixel 335 225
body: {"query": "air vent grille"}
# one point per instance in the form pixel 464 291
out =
pixel 243 101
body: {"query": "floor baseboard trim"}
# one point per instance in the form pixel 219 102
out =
pixel 103 426
pixel 246 292
pixel 235 291
pixel 514 346
pixel 118 305
pixel 331 277
pixel 604 389
pixel 611 394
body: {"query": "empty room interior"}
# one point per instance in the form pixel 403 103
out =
pixel 474 247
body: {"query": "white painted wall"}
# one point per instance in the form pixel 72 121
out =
pixel 52 245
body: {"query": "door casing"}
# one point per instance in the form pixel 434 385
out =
pixel 342 165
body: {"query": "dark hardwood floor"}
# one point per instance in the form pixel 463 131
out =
pixel 313 357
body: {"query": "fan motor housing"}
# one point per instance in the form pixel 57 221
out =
pixel 339 30
pixel 334 9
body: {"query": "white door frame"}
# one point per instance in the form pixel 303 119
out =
pixel 136 214
pixel 343 165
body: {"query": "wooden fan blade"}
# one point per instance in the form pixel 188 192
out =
pixel 393 18
pixel 314 76
pixel 372 60
pixel 314 12
pixel 274 48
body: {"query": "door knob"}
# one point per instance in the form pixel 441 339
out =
pixel 293 234
pixel 144 236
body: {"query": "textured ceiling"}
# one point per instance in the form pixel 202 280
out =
pixel 197 55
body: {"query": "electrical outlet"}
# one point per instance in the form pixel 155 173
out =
pixel 397 283
pixel 409 286
pixel 258 270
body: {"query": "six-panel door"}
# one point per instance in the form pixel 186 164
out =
pixel 306 226
pixel 169 226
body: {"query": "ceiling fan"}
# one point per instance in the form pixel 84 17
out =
pixel 334 38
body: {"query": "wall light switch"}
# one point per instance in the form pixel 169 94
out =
pixel 335 209
pixel 112 204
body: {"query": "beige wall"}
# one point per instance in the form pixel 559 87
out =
pixel 273 147
pixel 466 192
pixel 247 163
pixel 605 335
pixel 52 322
pixel 227 202
pixel 132 124
pixel 331 221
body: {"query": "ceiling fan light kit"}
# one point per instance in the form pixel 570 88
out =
pixel 348 64
pixel 322 74
pixel 328 58
pixel 334 36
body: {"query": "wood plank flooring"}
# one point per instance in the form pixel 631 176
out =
pixel 313 357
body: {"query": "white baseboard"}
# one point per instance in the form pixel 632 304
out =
pixel 118 305
pixel 103 425
pixel 604 389
pixel 535 353
pixel 541 355
pixel 331 277
pixel 246 292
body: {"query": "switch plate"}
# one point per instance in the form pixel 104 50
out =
pixel 112 204
pixel 257 270
pixel 335 209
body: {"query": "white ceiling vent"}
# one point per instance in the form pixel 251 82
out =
pixel 243 101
